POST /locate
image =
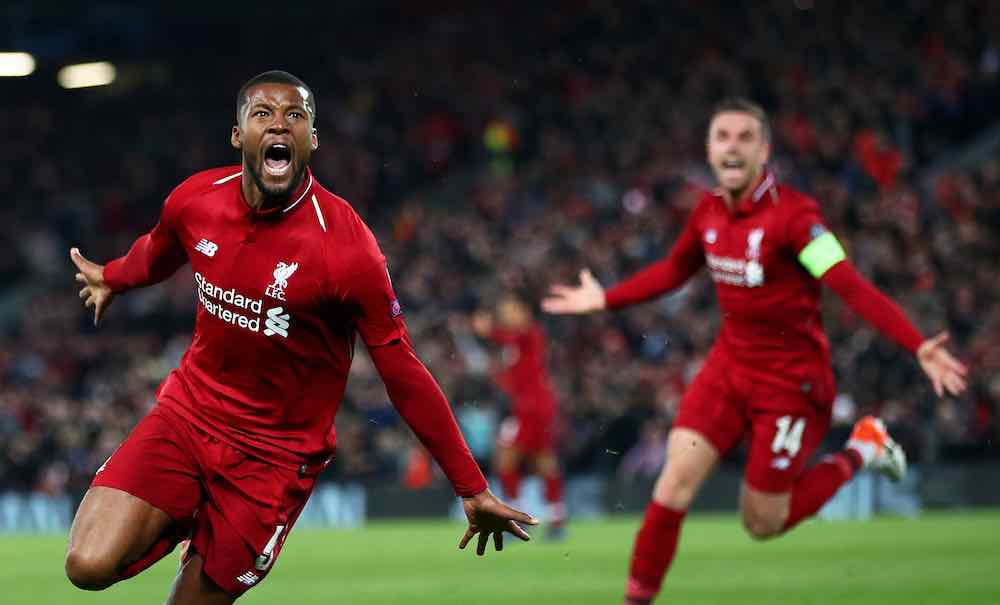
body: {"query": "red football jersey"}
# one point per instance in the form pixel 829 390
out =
pixel 770 304
pixel 525 376
pixel 281 294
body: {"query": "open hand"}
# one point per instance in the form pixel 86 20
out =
pixel 95 292
pixel 576 300
pixel 488 515
pixel 947 374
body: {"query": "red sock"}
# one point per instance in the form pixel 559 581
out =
pixel 818 484
pixel 655 545
pixel 511 483
pixel 554 489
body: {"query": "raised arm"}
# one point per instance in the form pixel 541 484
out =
pixel 684 260
pixel 422 405
pixel 824 258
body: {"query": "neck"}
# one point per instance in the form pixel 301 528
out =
pixel 257 199
pixel 733 196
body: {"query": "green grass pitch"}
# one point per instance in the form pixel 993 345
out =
pixel 940 558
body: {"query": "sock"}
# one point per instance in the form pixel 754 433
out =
pixel 818 484
pixel 511 483
pixel 655 545
pixel 554 489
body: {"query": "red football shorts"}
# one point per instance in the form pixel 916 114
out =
pixel 527 434
pixel 785 426
pixel 238 508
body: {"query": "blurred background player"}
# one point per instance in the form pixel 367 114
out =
pixel 768 376
pixel 288 276
pixel 527 437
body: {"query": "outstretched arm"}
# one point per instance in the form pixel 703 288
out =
pixel 419 400
pixel 824 258
pixel 423 406
pixel 684 260
pixel 946 373
pixel 153 258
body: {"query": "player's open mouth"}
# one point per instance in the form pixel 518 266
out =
pixel 733 163
pixel 277 159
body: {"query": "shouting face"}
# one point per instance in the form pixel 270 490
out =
pixel 737 150
pixel 276 135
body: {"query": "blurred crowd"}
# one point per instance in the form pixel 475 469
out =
pixel 505 150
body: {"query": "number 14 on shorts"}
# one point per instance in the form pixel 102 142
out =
pixel 788 435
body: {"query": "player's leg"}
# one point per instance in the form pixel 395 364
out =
pixel 231 552
pixel 111 531
pixel 547 466
pixel 136 509
pixel 776 492
pixel 869 445
pixel 194 587
pixel 690 459
pixel 508 457
pixel 709 423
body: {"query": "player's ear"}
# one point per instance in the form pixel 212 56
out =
pixel 234 139
pixel 314 139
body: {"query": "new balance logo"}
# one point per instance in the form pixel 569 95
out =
pixel 276 323
pixel 249 578
pixel 206 247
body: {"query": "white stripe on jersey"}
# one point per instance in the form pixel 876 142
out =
pixel 226 179
pixel 296 202
pixel 319 215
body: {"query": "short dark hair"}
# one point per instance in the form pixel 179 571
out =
pixel 744 105
pixel 275 76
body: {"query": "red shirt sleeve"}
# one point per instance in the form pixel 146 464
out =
pixel 411 388
pixel 423 406
pixel 153 257
pixel 804 225
pixel 379 317
pixel 684 260
pixel 869 302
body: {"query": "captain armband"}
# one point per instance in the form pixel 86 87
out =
pixel 821 253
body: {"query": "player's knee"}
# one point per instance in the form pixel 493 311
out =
pixel 762 525
pixel 675 490
pixel 90 571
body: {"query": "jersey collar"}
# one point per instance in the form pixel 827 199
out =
pixel 259 214
pixel 765 185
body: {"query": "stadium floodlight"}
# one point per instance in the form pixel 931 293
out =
pixel 83 75
pixel 16 64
